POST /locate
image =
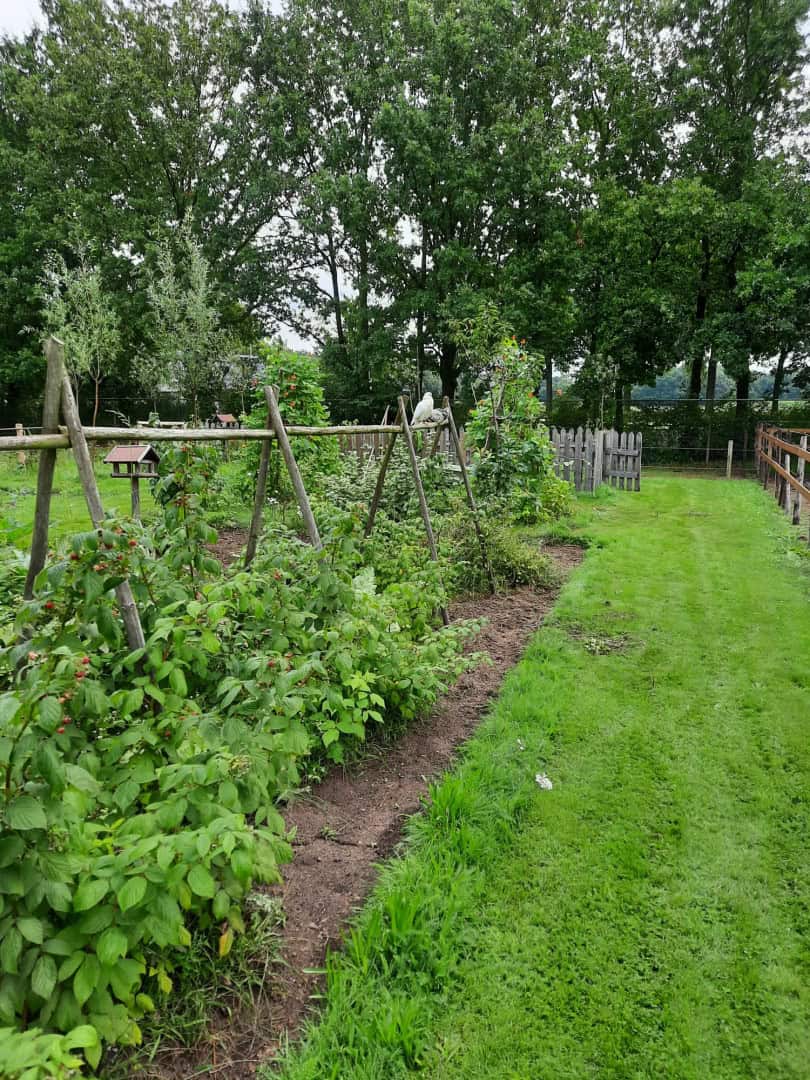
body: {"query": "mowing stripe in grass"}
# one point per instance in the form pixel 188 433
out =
pixel 649 916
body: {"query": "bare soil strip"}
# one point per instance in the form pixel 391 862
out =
pixel 346 825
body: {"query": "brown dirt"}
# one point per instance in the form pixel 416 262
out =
pixel 346 825
pixel 229 544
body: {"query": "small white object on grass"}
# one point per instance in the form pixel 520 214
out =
pixel 423 409
pixel 543 781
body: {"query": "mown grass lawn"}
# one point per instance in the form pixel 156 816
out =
pixel 69 515
pixel 649 917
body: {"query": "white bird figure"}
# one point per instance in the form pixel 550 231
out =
pixel 423 410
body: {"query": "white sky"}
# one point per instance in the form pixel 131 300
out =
pixel 17 16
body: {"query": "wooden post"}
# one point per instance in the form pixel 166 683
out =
pixel 20 431
pixel 378 487
pixel 797 504
pixel 420 491
pixel 456 442
pixel 84 463
pixel 292 468
pixel 729 458
pixel 259 498
pixel 55 354
pixel 135 498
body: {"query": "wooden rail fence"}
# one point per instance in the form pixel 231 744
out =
pixel 781 456
pixel 589 459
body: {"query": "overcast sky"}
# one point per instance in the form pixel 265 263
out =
pixel 16 16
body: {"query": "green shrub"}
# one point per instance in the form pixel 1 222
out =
pixel 139 794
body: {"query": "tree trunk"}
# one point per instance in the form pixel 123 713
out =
pixel 549 391
pixel 778 383
pixel 741 410
pixel 711 386
pixel 336 301
pixel 448 370
pixel 618 416
pixel 95 402
pixel 696 374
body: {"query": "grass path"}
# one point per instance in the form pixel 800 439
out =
pixel 650 916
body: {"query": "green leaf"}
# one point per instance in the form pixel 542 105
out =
pixel 209 641
pixel 50 712
pixel 86 978
pixel 43 977
pixel 31 929
pixel 177 681
pixel 9 707
pixel 11 848
pixel 89 893
pixel 81 779
pixel 82 1037
pixel 131 893
pixel 26 812
pixel 10 949
pixel 50 765
pixel 201 882
pixel 111 945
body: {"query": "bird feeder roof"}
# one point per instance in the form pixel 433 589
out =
pixel 131 455
pixel 226 418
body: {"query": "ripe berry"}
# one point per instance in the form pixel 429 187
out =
pixel 33 656
pixel 80 674
pixel 85 659
pixel 166 734
pixel 50 605
pixel 67 720
pixel 60 731
pixel 133 543
pixel 74 556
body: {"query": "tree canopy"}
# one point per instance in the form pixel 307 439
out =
pixel 627 182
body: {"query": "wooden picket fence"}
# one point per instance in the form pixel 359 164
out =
pixel 585 458
pixel 589 459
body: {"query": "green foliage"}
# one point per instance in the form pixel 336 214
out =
pixel 513 454
pixel 78 311
pixel 139 787
pixel 297 379
pixel 187 346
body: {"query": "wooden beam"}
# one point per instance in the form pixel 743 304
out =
pixel 55 354
pixel 126 601
pixel 292 468
pixel 420 491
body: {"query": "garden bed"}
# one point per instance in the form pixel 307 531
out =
pixel 347 824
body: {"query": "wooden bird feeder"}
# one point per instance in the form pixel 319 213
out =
pixel 225 419
pixel 133 463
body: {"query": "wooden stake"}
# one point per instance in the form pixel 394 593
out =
pixel 292 468
pixel 55 354
pixel 135 494
pixel 729 458
pixel 451 423
pixel 20 431
pixel 378 487
pixel 420 491
pixel 259 499
pixel 126 602
pixel 797 506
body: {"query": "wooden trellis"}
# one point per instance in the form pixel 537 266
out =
pixel 59 399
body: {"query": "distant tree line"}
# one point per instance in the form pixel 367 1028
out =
pixel 626 181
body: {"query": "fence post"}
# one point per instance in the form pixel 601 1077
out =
pixel 55 353
pixel 797 505
pixel 292 468
pixel 729 458
pixel 20 431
